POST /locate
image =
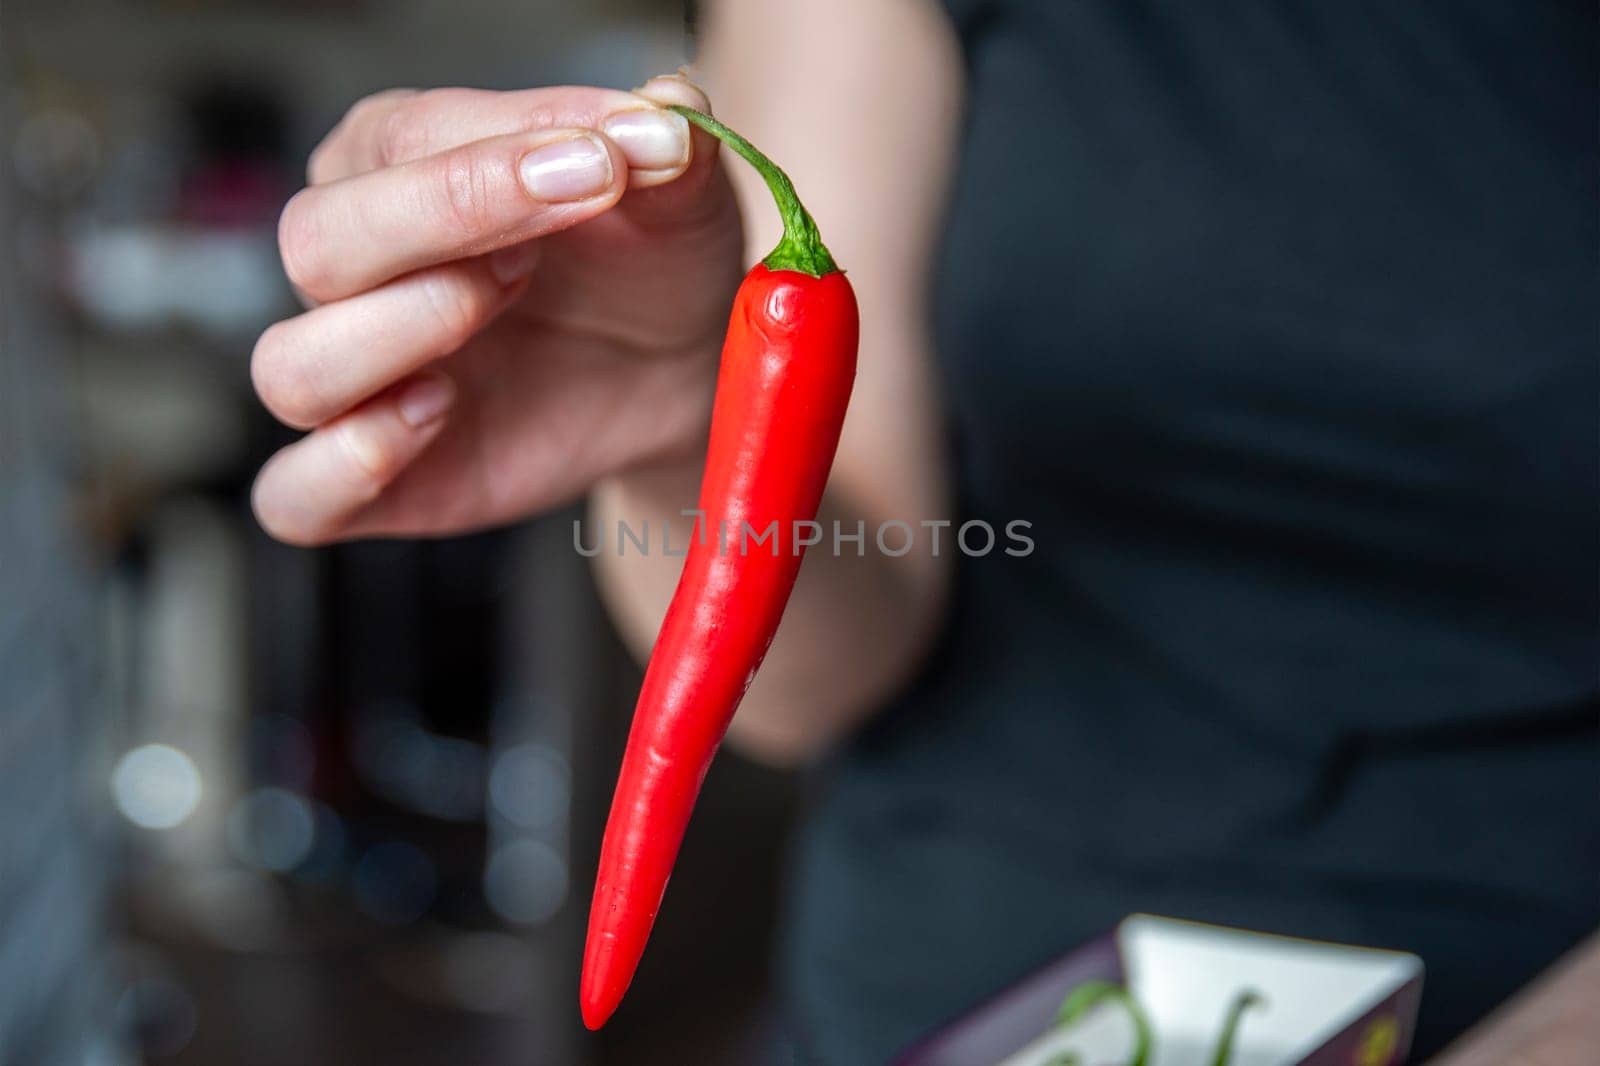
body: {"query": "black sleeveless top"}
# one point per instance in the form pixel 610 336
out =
pixel 1278 322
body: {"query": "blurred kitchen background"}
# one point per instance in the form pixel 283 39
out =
pixel 261 805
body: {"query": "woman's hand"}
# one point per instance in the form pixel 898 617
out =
pixel 444 394
pixel 514 295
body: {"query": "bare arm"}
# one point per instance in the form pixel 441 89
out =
pixel 859 102
pixel 1554 1022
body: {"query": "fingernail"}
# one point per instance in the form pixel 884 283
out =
pixel 650 140
pixel 511 265
pixel 681 74
pixel 572 169
pixel 674 89
pixel 425 401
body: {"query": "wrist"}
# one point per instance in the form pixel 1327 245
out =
pixel 659 488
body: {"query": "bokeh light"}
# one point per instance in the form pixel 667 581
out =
pixel 156 786
pixel 525 881
pixel 272 829
pixel 529 785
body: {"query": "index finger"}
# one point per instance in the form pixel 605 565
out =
pixel 347 236
pixel 402 126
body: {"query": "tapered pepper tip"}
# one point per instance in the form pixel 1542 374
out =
pixel 605 980
pixel 596 1010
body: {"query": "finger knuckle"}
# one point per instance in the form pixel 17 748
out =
pixel 458 307
pixel 284 384
pixel 269 501
pixel 320 163
pixel 298 240
pixel 349 126
pixel 465 200
pixel 369 463
pixel 401 135
pixel 360 110
pixel 373 104
pixel 363 123
pixel 286 528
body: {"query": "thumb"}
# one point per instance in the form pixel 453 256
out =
pixel 696 192
pixel 660 267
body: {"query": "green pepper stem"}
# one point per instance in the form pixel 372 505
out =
pixel 801 248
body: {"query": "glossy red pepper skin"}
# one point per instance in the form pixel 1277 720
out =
pixel 787 367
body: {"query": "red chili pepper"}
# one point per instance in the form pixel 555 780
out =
pixel 787 366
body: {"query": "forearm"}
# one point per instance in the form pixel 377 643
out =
pixel 1554 1022
pixel 868 145
pixel 858 624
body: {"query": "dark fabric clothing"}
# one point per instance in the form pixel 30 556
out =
pixel 1278 321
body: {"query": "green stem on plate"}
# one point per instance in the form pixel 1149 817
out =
pixel 1089 995
pixel 1230 1025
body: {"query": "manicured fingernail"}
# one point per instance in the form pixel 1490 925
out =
pixel 651 140
pixel 572 169
pixel 511 265
pixel 425 401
